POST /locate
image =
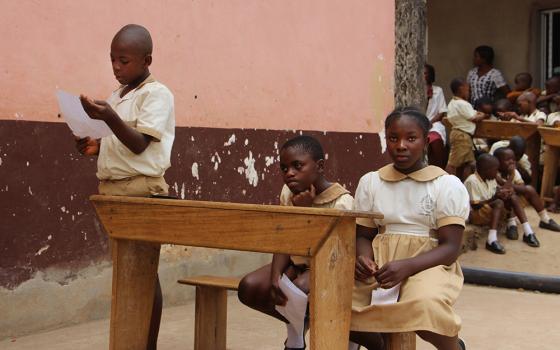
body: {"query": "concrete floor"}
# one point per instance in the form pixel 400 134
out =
pixel 492 319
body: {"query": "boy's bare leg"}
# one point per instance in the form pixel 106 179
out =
pixel 529 236
pixel 156 318
pixel 536 202
pixel 371 341
pixel 492 243
pixel 441 342
pixel 555 206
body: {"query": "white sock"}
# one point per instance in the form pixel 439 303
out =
pixel 527 228
pixel 295 340
pixel 544 216
pixel 353 346
pixel 492 236
pixel 511 222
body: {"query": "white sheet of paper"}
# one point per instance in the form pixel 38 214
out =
pixel 353 346
pixel 294 310
pixel 381 296
pixel 77 119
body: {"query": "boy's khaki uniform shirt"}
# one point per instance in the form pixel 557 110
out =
pixel 150 110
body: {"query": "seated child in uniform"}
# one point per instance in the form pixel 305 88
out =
pixel 501 106
pixel 133 160
pixel 509 176
pixel 549 100
pixel 302 164
pixel 463 118
pixel 489 202
pixel 414 248
pixel 527 105
pixel 523 82
pixel 518 145
pixel 483 105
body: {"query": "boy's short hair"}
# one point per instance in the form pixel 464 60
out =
pixel 486 53
pixel 500 152
pixel 525 75
pixel 136 35
pixel 484 160
pixel 431 73
pixel 456 84
pixel 505 102
pixel 307 144
pixel 484 100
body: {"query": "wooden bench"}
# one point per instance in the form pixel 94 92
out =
pixel 211 314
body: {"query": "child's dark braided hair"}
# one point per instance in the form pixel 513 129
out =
pixel 413 112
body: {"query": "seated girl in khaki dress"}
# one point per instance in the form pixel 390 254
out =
pixel 302 166
pixel 414 247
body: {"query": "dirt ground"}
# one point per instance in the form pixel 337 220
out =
pixel 519 256
pixel 492 319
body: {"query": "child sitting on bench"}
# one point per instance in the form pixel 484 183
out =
pixel 302 163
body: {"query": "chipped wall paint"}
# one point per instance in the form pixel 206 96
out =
pixel 312 65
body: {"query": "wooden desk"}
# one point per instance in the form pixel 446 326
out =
pixel 551 137
pixel 138 226
pixel 503 130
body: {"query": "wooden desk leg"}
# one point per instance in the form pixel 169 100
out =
pixel 210 318
pixel 534 152
pixel 332 279
pixel 550 170
pixel 401 341
pixel 135 267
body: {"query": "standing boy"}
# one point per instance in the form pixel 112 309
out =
pixel 463 118
pixel 141 115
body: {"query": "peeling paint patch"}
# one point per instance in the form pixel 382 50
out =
pixel 0 161
pixel 231 141
pixel 250 172
pixel 194 170
pixel 183 191
pixel 42 250
pixel 63 209
pixel 29 190
pixel 269 160
pixel 216 160
pixel 382 141
pixel 246 142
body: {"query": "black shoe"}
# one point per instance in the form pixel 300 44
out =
pixel 495 247
pixel 551 225
pixel 511 233
pixel 462 344
pixel 531 240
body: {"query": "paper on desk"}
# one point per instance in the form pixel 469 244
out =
pixel 78 120
pixel 294 310
pixel 381 296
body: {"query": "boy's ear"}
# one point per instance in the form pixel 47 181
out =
pixel 148 60
pixel 321 165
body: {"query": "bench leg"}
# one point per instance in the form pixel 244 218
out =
pixel 210 318
pixel 401 341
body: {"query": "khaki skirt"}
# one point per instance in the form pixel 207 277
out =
pixel 425 300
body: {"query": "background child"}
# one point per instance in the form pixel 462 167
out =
pixel 527 106
pixel 509 176
pixel 419 202
pixel 436 110
pixel 518 145
pixel 302 164
pixel 523 83
pixel 489 203
pixel 549 100
pixel 486 106
pixel 463 119
pixel 132 162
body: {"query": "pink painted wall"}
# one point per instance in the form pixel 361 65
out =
pixel 290 64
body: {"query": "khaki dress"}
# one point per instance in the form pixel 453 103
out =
pixel 335 196
pixel 414 207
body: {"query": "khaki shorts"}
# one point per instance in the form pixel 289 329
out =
pixel 483 216
pixel 461 148
pixel 137 186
